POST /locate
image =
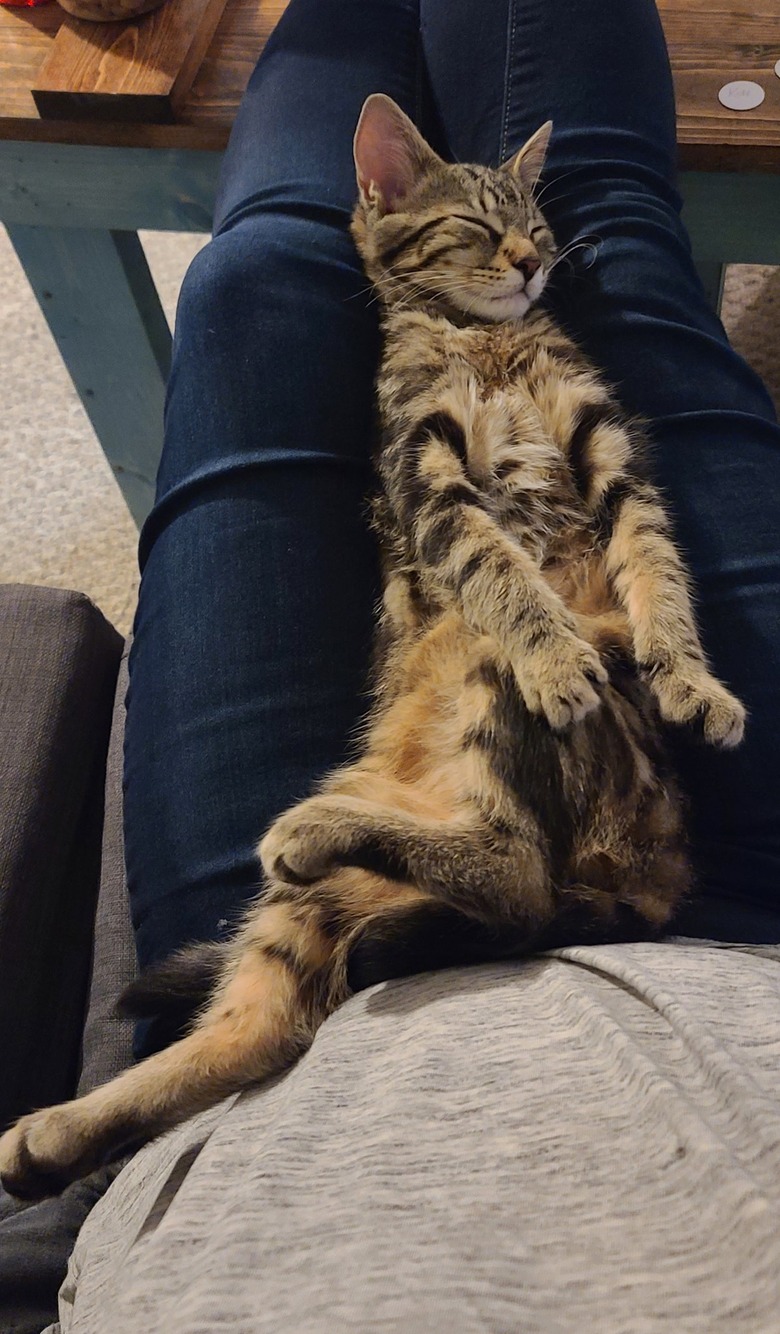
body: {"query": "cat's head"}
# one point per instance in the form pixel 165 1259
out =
pixel 463 239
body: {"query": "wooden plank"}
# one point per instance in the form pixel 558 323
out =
pixel 718 30
pixel 228 64
pixel 206 116
pixel 719 38
pixel 139 70
pixel 26 37
pixel 732 218
pixel 724 139
pixel 175 137
pixel 101 305
pixel 712 42
pixel 81 185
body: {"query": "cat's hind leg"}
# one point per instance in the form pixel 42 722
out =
pixel 486 871
pixel 287 971
pixel 262 1015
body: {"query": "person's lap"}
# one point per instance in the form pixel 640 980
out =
pixel 259 576
pixel 584 1141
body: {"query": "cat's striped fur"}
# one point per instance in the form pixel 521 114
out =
pixel 511 790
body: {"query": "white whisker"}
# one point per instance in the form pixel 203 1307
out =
pixel 572 247
pixel 556 180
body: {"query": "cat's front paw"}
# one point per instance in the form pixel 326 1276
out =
pixel 688 695
pixel 560 680
pixel 300 846
pixel 45 1151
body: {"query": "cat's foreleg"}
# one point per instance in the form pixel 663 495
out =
pixel 653 585
pixel 502 593
pixel 463 552
pixel 263 1014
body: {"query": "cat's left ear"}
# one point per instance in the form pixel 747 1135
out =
pixel 528 162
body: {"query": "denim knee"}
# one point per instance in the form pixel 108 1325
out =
pixel 272 315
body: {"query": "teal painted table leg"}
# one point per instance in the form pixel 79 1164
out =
pixel 100 302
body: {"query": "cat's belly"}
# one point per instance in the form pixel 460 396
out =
pixel 584 588
pixel 459 733
pixel 419 739
pixel 458 745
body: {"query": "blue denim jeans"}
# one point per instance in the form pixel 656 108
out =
pixel 259 576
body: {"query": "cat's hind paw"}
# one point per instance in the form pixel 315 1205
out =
pixel 43 1153
pixel 299 846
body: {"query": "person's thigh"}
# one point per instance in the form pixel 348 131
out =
pixel 248 667
pixel 585 1142
pixel 600 70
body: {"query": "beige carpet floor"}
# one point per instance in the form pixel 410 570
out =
pixel 62 517
pixel 63 520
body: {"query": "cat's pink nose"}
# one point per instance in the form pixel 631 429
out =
pixel 527 266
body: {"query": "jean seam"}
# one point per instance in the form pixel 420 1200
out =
pixel 510 50
pixel 418 73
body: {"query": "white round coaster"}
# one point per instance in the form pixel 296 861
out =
pixel 742 95
pixel 777 69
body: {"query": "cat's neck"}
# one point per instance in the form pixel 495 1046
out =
pixel 397 319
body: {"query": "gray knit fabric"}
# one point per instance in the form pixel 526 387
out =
pixel 585 1143
pixel 107 1045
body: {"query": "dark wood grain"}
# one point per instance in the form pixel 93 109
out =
pixel 139 69
pixel 710 43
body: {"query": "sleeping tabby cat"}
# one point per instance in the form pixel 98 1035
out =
pixel 512 791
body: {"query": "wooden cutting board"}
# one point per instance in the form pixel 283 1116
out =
pixel 137 69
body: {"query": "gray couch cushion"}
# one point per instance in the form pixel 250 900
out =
pixel 35 1243
pixel 59 658
pixel 107 1036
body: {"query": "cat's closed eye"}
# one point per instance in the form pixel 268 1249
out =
pixel 488 227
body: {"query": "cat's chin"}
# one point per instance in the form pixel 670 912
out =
pixel 512 306
pixel 499 309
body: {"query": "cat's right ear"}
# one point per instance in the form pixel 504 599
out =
pixel 390 154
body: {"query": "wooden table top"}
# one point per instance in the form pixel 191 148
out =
pixel 711 42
